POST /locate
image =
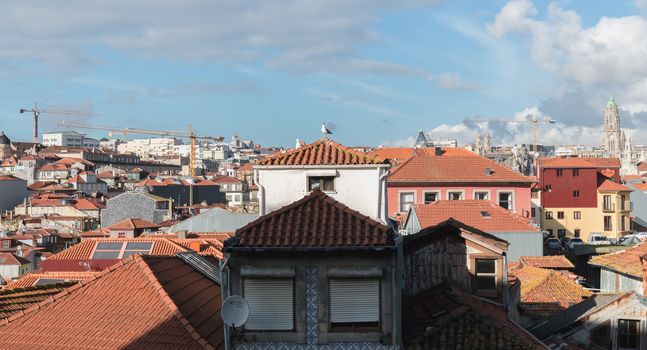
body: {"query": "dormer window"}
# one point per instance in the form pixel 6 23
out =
pixel 324 183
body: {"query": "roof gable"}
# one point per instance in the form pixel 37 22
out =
pixel 322 152
pixel 625 261
pixel 454 227
pixel 315 221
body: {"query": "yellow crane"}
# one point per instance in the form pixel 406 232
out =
pixel 125 131
pixel 52 110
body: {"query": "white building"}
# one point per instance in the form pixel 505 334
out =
pixel 69 139
pixel 151 147
pixel 351 177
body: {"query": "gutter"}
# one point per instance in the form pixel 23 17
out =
pixel 225 292
pixel 332 166
pixel 261 194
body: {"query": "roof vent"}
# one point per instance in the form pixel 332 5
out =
pixel 488 171
pixel 438 151
pixel 485 214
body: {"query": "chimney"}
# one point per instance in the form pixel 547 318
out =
pixel 488 171
pixel 438 151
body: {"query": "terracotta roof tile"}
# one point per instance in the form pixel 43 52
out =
pixel 17 299
pixel 578 162
pixel 625 261
pixel 9 178
pixel 83 250
pixel 609 185
pixel 132 224
pixel 547 262
pixel 146 310
pixel 12 259
pixel 225 179
pixel 316 220
pixel 31 279
pixel 483 215
pixel 452 169
pixel 442 318
pixel 548 290
pixel 322 152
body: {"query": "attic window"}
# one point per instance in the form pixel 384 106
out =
pixel 324 183
pixel 485 214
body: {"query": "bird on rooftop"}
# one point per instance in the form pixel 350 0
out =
pixel 325 130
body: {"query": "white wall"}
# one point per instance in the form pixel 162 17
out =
pixel 358 187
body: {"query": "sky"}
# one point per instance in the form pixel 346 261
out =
pixel 378 70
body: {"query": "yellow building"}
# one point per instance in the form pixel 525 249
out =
pixel 611 217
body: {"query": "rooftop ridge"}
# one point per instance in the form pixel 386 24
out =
pixel 316 158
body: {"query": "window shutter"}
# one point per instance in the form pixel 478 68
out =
pixel 354 300
pixel 271 305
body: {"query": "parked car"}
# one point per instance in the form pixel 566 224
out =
pixel 554 244
pixel 598 239
pixel 573 242
pixel 565 241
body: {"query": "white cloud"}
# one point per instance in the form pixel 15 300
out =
pixel 452 81
pixel 290 34
pixel 607 57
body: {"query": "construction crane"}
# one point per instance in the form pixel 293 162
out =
pixel 533 120
pixel 125 131
pixel 37 111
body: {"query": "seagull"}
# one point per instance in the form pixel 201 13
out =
pixel 324 129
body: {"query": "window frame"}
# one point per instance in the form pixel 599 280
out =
pixel 294 311
pixel 413 201
pixel 559 172
pixel 494 275
pixel 637 334
pixel 576 172
pixel 487 195
pixel 450 192
pixel 511 200
pixel 576 193
pixel 341 327
pixel 609 227
pixel 577 215
pixel 321 178
pixel 560 215
pixel 424 195
pixel 549 215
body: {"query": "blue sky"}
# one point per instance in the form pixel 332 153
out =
pixel 273 71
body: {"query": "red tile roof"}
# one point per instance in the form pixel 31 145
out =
pixel 9 178
pixel 225 179
pixel 609 185
pixel 247 167
pixel 446 318
pixel 642 187
pixel 470 212
pixel 558 262
pixel 146 308
pixel 322 152
pixel 133 224
pixel 71 161
pixel 453 169
pixel 53 167
pixel 544 290
pixel 84 250
pixel 12 259
pixel 625 261
pixel 14 300
pixel 31 279
pixel 578 162
pixel 315 221
pixel 404 153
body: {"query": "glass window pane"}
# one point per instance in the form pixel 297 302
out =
pixel 43 281
pixel 485 282
pixel 109 245
pixel 139 245
pixel 128 253
pixel 106 254
pixel 485 266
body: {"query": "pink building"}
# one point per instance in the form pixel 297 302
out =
pixel 426 175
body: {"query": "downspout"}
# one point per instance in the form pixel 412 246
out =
pixel 398 283
pixel 261 194
pixel 225 291
pixel 382 196
pixel 506 287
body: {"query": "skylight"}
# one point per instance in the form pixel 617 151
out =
pixel 485 214
pixel 121 250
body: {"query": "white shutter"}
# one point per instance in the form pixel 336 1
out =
pixel 271 305
pixel 354 300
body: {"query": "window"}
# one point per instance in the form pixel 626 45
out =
pixel 548 188
pixel 607 223
pixel 601 335
pixel 532 212
pixel 534 194
pixel 623 198
pixel 576 193
pixel 271 303
pixel 120 250
pixel 549 215
pixel 354 302
pixel 455 196
pixel 560 215
pixel 576 232
pixel 577 215
pixel 431 197
pixel 560 172
pixel 550 232
pixel 324 183
pixel 505 200
pixel 561 233
pixel 121 234
pixel 485 274
pixel 606 202
pixel 406 200
pixel 576 172
pixel 628 334
pixel 622 223
pixel 482 195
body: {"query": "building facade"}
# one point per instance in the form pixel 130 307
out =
pixel 69 139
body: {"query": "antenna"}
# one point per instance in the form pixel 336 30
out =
pixel 235 311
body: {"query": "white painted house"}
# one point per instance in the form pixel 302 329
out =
pixel 351 177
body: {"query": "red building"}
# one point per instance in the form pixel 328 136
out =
pixel 574 182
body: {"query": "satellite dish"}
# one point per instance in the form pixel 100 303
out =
pixel 235 311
